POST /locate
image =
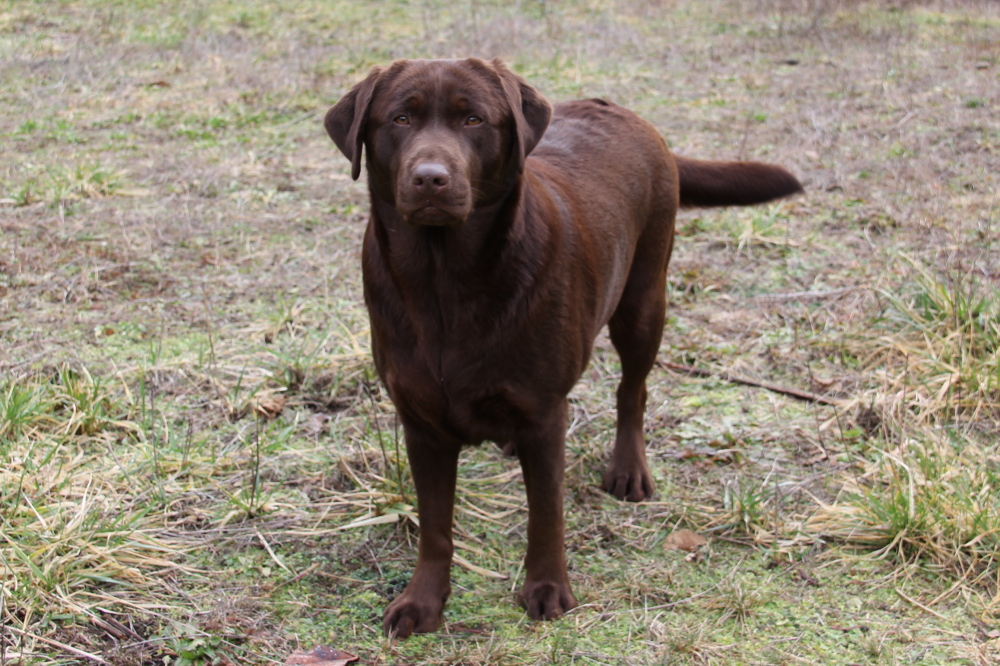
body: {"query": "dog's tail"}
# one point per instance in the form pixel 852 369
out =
pixel 704 183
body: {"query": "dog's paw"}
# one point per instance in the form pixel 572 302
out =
pixel 630 484
pixel 546 600
pixel 406 616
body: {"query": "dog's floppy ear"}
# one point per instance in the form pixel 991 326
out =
pixel 345 121
pixel 531 111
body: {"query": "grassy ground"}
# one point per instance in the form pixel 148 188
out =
pixel 197 465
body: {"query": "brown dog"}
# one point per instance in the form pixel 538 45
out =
pixel 503 236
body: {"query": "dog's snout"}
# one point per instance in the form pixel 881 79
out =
pixel 431 178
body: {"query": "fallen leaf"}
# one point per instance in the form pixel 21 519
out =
pixel 318 423
pixel 270 406
pixel 684 540
pixel 321 656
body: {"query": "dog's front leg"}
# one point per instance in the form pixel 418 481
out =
pixel 420 607
pixel 546 593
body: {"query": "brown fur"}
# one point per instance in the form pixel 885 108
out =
pixel 499 245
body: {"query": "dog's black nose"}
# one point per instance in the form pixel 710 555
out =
pixel 430 178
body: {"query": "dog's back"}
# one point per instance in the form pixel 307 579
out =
pixel 595 135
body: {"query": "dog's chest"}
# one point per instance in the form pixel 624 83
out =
pixel 450 391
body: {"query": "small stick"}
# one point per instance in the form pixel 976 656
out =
pixel 737 379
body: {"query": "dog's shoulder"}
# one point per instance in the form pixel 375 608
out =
pixel 591 128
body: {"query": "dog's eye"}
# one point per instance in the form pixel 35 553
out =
pixel 473 121
pixel 402 119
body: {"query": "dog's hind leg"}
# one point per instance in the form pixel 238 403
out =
pixel 636 328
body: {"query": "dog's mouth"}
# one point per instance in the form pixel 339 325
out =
pixel 433 214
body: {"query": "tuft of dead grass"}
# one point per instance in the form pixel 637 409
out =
pixel 936 498
pixel 941 336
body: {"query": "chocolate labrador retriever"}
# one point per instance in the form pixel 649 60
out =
pixel 504 233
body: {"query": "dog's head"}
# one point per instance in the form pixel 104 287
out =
pixel 442 137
